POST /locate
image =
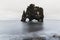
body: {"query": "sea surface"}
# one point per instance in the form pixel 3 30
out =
pixel 17 30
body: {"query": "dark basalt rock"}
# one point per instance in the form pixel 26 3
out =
pixel 56 36
pixel 33 12
pixel 37 38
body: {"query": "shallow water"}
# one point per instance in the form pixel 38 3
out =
pixel 17 30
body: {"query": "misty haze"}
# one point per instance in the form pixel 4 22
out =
pixel 13 9
pixel 11 28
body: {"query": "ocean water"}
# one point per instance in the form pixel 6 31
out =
pixel 17 30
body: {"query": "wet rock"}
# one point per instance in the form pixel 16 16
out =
pixel 36 38
pixel 56 36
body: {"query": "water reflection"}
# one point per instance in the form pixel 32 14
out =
pixel 32 27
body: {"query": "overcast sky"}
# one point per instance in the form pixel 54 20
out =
pixel 12 9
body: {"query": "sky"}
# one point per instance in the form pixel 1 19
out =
pixel 13 9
